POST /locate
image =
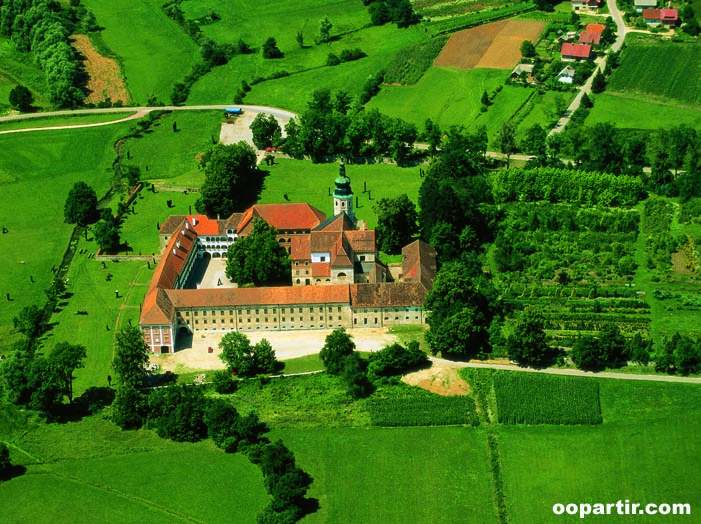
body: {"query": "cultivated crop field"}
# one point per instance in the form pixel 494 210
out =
pixel 662 70
pixel 494 45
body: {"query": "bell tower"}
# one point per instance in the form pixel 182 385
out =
pixel 343 195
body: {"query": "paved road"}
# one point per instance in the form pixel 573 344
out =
pixel 571 372
pixel 139 112
pixel 601 63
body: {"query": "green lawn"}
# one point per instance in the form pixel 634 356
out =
pixel 282 21
pixel 19 68
pixel 639 112
pixel 93 469
pixel 94 294
pixel 303 181
pixel 645 451
pixel 169 158
pixel 154 50
pixel 36 172
pixel 398 475
pixel 452 97
pixel 303 364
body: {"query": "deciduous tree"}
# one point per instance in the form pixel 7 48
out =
pixel 21 98
pixel 396 223
pixel 324 35
pixel 270 49
pixel 266 131
pixel 131 355
pixel 66 358
pixel 527 49
pixel 338 344
pixel 528 345
pixel 81 205
pixel 258 258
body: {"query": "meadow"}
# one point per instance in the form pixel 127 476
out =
pixel 640 68
pixel 36 172
pixel 453 97
pixel 70 120
pixel 631 111
pixel 153 50
pixel 303 181
pixel 17 68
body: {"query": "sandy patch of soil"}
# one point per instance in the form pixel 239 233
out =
pixel 442 379
pixel 105 77
pixel 496 45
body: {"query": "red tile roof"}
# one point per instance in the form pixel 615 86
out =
pixel 575 50
pixel 362 241
pixel 321 269
pixel 597 28
pixel 260 296
pixel 300 247
pixel 336 223
pixel 284 217
pixel 419 263
pixel 669 15
pixel 652 14
pixel 589 37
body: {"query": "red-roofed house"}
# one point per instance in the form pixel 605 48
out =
pixel 655 17
pixel 329 252
pixel 571 52
pixel 597 28
pixel 589 37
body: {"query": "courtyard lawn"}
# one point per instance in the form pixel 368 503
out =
pixel 154 51
pixel 37 170
pixel 638 112
pixel 168 158
pixel 453 97
pixel 303 181
pixel 397 475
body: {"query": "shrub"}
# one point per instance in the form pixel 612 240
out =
pixel 224 383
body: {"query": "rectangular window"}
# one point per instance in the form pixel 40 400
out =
pixel 197 321
pixel 265 311
pixel 283 319
pixel 221 313
pixel 257 321
pixel 339 309
pixel 292 319
pixel 204 313
pixel 257 311
pixel 231 312
pixel 205 321
pixel 266 319
pixel 196 313
pixel 300 310
pixel 323 259
pixel 311 318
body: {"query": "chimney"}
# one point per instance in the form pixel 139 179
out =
pixel 194 221
pixel 218 217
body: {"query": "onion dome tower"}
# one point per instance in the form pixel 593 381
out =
pixel 343 195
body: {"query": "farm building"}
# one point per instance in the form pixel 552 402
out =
pixel 590 37
pixel 566 76
pixel 523 71
pixel 573 52
pixel 338 279
pixel 655 17
pixel 641 5
pixel 586 6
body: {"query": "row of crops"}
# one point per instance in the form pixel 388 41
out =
pixel 527 398
pixel 427 411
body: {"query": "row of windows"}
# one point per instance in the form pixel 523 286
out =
pixel 265 320
pixel 265 311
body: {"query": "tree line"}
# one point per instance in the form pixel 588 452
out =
pixel 43 27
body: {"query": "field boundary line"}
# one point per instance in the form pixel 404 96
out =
pixel 127 496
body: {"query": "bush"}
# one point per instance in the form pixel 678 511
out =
pixel 348 55
pixel 332 60
pixel 394 360
pixel 224 383
pixel 177 413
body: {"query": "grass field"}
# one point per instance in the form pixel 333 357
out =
pixel 36 172
pixel 640 68
pixel 638 112
pixel 452 97
pixel 93 469
pixel 306 65
pixel 18 68
pixel 169 158
pixel 643 452
pixel 155 51
pixel 303 181
pixel 398 475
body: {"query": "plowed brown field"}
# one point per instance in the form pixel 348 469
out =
pixel 105 78
pixel 495 45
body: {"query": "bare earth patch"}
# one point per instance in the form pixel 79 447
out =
pixel 440 378
pixel 679 263
pixel 105 77
pixel 496 45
